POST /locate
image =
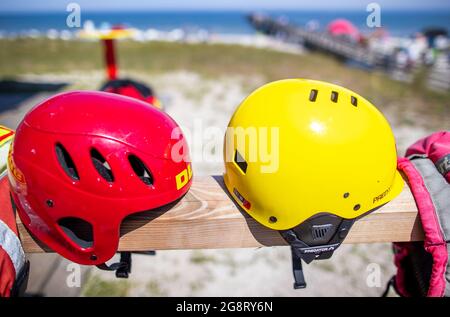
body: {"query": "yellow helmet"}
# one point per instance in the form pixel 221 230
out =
pixel 336 154
pixel 297 149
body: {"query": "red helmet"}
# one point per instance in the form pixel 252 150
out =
pixel 89 159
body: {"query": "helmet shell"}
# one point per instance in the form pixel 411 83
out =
pixel 315 148
pixel 142 147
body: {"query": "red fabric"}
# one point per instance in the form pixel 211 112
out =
pixel 7 274
pixel 434 241
pixel 437 280
pixel 401 250
pixel 6 212
pixel 7 271
pixel 434 146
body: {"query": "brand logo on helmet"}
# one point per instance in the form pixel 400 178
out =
pixel 183 177
pixel 14 171
pixel 241 198
pixel 381 196
pixel 318 250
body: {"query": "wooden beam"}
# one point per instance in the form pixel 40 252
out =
pixel 206 218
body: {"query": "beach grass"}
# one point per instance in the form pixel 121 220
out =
pixel 43 56
pixel 98 287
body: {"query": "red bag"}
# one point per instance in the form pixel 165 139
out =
pixel 423 268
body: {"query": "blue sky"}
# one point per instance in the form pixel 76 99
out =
pixel 139 5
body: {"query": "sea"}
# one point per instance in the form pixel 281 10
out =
pixel 397 23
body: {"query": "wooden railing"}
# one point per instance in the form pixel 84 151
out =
pixel 206 218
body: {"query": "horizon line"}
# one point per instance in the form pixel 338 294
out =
pixel 147 10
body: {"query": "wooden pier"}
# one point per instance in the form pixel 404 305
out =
pixel 438 76
pixel 316 40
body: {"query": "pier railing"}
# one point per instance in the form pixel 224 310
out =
pixel 317 40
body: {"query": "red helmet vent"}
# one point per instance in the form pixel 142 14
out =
pixel 141 170
pixel 102 166
pixel 66 162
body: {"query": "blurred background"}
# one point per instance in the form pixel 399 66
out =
pixel 202 58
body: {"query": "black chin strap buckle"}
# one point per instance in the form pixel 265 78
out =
pixel 122 268
pixel 297 269
pixel 317 250
pixel 301 251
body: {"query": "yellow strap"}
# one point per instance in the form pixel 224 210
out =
pixel 5 134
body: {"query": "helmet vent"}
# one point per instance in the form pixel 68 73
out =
pixel 354 101
pixel 78 230
pixel 240 162
pixel 320 231
pixel 66 162
pixel 313 95
pixel 102 166
pixel 140 170
pixel 334 96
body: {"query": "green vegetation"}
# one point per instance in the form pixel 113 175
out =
pixel 198 257
pixel 154 289
pixel 42 56
pixel 196 286
pixel 96 286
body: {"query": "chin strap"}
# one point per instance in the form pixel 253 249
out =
pixel 299 278
pixel 302 251
pixel 123 267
